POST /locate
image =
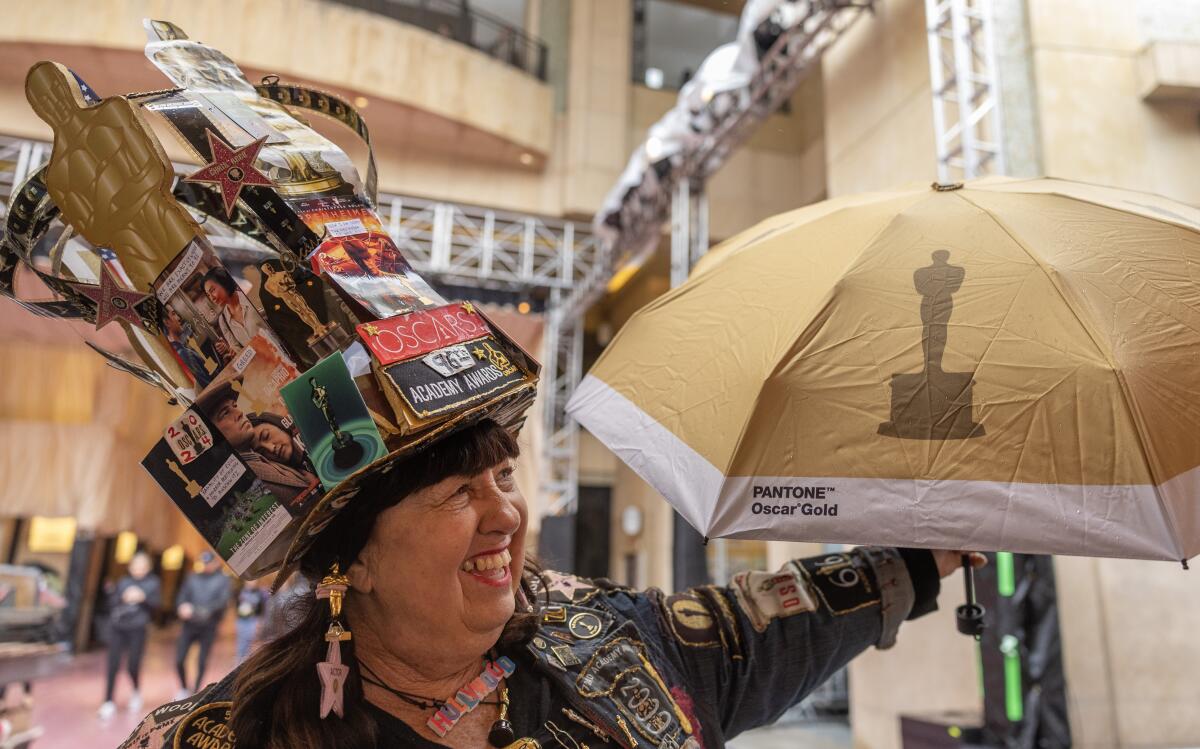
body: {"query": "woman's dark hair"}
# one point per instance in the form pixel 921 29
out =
pixel 275 420
pixel 220 277
pixel 276 691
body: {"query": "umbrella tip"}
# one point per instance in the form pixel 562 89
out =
pixel 946 186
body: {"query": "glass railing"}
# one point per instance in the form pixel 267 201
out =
pixel 457 20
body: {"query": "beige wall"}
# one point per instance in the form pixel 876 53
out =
pixel 1128 627
pixel 653 545
pixel 1095 126
pixel 598 100
pixel 360 51
pixel 878 106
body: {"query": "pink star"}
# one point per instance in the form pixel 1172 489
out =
pixel 565 584
pixel 112 301
pixel 231 169
pixel 333 678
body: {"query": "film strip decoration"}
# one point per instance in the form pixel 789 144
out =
pixel 29 218
pixel 192 124
pixel 333 107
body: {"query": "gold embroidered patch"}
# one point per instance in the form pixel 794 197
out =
pixel 691 621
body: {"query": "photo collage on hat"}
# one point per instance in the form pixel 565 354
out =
pixel 235 511
pixel 361 258
pixel 289 402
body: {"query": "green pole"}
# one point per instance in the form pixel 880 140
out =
pixel 1014 706
pixel 1006 578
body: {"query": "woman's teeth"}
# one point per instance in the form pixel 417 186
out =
pixel 487 562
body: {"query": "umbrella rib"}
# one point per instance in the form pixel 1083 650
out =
pixel 790 349
pixel 1098 204
pixel 1130 408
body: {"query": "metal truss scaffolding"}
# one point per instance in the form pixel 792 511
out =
pixel 818 24
pixel 966 97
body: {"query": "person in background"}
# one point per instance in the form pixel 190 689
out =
pixel 200 605
pixel 252 601
pixel 132 603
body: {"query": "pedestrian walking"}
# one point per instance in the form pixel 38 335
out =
pixel 201 603
pixel 252 602
pixel 131 604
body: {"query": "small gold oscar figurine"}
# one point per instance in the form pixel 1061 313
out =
pixel 283 286
pixel 346 451
pixel 193 488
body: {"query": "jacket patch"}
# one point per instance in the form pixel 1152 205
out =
pixel 152 731
pixel 562 588
pixel 728 626
pixel 620 671
pixel 690 621
pixel 765 596
pixel 206 727
pixel 842 582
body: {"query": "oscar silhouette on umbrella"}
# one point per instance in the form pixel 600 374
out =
pixel 346 452
pixel 934 404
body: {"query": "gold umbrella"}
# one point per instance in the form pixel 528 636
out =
pixel 1010 365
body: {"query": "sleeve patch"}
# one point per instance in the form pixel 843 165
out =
pixel 691 621
pixel 765 596
pixel 843 582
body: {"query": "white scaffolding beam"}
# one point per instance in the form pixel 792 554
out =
pixel 966 98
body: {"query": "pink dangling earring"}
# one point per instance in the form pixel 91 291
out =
pixel 332 671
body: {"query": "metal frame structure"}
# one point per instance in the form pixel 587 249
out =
pixel 966 97
pixel 820 24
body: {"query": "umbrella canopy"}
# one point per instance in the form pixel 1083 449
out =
pixel 1013 365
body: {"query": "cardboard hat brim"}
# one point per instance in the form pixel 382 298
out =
pixel 327 508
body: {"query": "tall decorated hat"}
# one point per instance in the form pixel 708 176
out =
pixel 260 293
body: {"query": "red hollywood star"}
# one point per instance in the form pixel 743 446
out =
pixel 231 169
pixel 112 301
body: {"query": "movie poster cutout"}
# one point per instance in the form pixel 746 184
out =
pixel 245 406
pixel 235 512
pixel 303 310
pixel 333 420
pixel 362 259
pixel 216 318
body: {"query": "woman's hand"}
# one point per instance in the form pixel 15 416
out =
pixel 949 561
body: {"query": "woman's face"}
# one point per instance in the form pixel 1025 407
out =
pixel 273 442
pixel 447 560
pixel 216 293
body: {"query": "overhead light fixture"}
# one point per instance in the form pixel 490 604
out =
pixel 361 102
pixel 654 78
pixel 622 276
pixel 126 546
pixel 526 158
pixel 172 558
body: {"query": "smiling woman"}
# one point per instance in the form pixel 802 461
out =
pixel 440 631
